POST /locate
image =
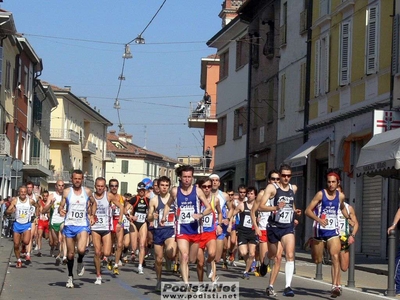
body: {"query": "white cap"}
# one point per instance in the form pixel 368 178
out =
pixel 213 176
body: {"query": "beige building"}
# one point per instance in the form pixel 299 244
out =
pixel 77 135
pixel 134 163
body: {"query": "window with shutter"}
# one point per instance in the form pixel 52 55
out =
pixel 283 96
pixel 372 32
pixel 344 53
pixel 124 187
pixel 325 65
pixel 302 86
pixel 317 66
pixel 395 47
pixel 124 166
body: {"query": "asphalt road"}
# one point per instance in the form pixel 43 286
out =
pixel 42 279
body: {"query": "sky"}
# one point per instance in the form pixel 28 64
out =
pixel 81 44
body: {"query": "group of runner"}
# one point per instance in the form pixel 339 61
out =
pixel 189 223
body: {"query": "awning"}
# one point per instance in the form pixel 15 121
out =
pixel 381 153
pixel 223 174
pixel 299 157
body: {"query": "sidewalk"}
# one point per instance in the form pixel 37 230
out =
pixel 6 250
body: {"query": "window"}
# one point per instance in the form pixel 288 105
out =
pixel 372 39
pixel 8 75
pixel 1 64
pixel 283 29
pixel 239 123
pixel 345 44
pixel 224 65
pixel 283 96
pixel 124 166
pixel 221 130
pixel 324 7
pixel 268 49
pixel 270 101
pixel 255 44
pixel 321 76
pixel 124 187
pixel 242 51
pixel 302 96
pixel 255 109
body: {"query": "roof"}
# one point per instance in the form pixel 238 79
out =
pixel 130 150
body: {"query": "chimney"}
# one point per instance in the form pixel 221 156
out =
pixel 122 136
pixel 67 88
pixel 128 138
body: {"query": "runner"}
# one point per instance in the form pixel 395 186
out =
pixel 117 236
pixel 138 228
pixel 43 224
pixel 57 223
pixel 247 239
pixel 164 236
pixel 80 213
pixel 21 205
pixel 280 226
pixel 324 210
pixel 210 228
pixel 187 199
pixel 34 214
pixel 222 198
pixel 101 234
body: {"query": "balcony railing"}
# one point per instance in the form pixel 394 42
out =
pixel 34 161
pixel 89 147
pixel 199 110
pixel 110 156
pixel 88 181
pixel 65 135
pixel 4 145
pixel 60 175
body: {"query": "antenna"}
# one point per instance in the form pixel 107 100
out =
pixel 145 137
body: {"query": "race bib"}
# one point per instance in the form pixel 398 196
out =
pixel 185 216
pixel 208 221
pixel 286 215
pixel 23 213
pixel 126 222
pixel 141 217
pixel 117 211
pixel 331 222
pixel 247 222
pixel 170 218
pixel 76 214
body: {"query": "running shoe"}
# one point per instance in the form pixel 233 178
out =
pixel 65 260
pixel 120 263
pixel 225 265
pixel 335 292
pixel 158 286
pixel 115 270
pixel 70 282
pixel 80 269
pixel 39 254
pixel 98 281
pixel 246 275
pixel 270 292
pixel 140 270
pixel 19 264
pixel 105 261
pixel 253 266
pixel 36 248
pixel 27 260
pixel 288 292
pixel 58 261
pixel 110 265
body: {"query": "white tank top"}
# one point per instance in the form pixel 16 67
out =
pixel 264 215
pixel 77 209
pixel 103 214
pixel 33 208
pixel 56 217
pixel 23 211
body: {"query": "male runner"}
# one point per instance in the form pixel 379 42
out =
pixel 34 214
pixel 187 198
pixel 21 205
pixel 79 208
pixel 43 223
pixel 164 236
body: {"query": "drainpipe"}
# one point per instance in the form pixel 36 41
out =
pixel 246 178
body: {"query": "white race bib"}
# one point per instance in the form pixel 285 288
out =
pixel 141 217
pixel 247 222
pixel 185 216
pixel 286 215
pixel 208 221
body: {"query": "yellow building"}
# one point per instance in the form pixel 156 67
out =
pixel 78 138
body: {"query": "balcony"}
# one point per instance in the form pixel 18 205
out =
pixel 38 167
pixel 200 114
pixel 64 136
pixel 110 156
pixel 88 181
pixel 89 147
pixel 59 175
pixel 4 145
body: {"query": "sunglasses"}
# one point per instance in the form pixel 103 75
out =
pixel 274 178
pixel 286 175
pixel 113 185
pixel 206 186
pixel 231 194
